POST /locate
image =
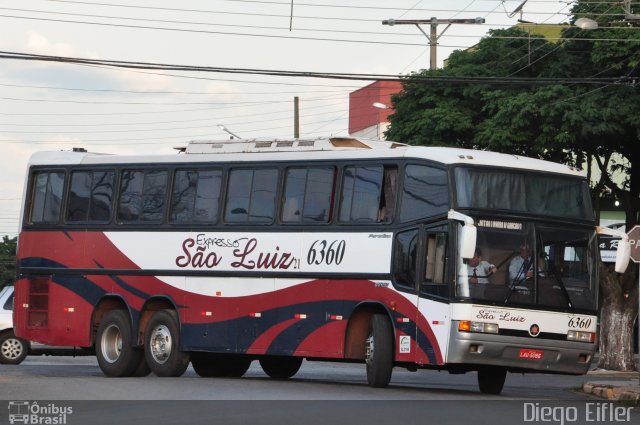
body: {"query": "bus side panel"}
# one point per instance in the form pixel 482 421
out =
pixel 51 314
pixel 328 340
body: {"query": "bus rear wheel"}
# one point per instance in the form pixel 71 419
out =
pixel 114 350
pixel 162 345
pixel 491 380
pixel 379 351
pixel 210 365
pixel 280 367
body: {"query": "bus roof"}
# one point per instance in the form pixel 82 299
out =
pixel 336 148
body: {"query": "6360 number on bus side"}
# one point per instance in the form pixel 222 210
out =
pixel 324 252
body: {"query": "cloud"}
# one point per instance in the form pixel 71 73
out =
pixel 39 44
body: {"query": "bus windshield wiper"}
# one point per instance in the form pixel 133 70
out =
pixel 525 265
pixel 560 282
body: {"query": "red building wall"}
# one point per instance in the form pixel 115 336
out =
pixel 362 114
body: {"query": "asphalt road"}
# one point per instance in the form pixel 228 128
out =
pixel 323 393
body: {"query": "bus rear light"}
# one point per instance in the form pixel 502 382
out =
pixel 480 327
pixel 581 336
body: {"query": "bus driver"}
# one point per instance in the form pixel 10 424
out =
pixel 480 270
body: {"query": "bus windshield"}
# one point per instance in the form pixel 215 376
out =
pixel 534 265
pixel 530 193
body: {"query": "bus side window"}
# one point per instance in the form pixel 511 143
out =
pixel 405 259
pixel 46 197
pixel 435 282
pixel 196 196
pixel 389 196
pixel 308 195
pixel 90 196
pixel 142 195
pixel 251 196
pixel 361 194
pixel 425 193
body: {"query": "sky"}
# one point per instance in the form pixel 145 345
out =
pixel 56 106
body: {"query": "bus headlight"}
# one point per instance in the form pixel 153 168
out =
pixel 581 336
pixel 481 327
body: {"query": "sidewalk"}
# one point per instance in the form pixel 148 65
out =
pixel 611 385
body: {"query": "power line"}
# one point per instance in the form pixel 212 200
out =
pixel 307 74
pixel 143 92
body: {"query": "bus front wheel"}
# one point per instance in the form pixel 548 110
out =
pixel 379 351
pixel 114 349
pixel 280 367
pixel 491 380
pixel 162 345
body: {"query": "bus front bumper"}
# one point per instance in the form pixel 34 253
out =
pixel 474 350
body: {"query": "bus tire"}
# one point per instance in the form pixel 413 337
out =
pixel 210 365
pixel 162 345
pixel 13 350
pixel 114 351
pixel 491 380
pixel 379 351
pixel 280 367
pixel 143 368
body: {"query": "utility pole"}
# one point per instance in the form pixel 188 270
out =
pixel 296 117
pixel 433 37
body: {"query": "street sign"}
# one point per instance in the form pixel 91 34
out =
pixel 634 242
pixel 608 248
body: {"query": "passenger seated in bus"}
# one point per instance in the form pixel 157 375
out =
pixel 521 267
pixel 480 270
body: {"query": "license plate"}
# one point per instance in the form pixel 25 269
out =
pixel 531 354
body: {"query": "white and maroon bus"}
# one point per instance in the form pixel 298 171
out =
pixel 336 249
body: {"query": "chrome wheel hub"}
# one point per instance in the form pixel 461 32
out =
pixel 160 344
pixel 111 344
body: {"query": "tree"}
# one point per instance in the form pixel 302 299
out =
pixel 8 260
pixel 568 123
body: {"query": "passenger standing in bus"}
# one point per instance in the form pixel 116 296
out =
pixel 521 267
pixel 480 270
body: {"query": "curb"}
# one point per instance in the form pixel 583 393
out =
pixel 611 392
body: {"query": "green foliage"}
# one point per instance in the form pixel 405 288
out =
pixel 8 248
pixel 559 122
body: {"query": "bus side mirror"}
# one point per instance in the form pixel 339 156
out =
pixel 468 233
pixel 623 254
pixel 468 241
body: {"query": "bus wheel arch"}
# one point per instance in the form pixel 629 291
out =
pixel 151 306
pixel 102 307
pixel 359 327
